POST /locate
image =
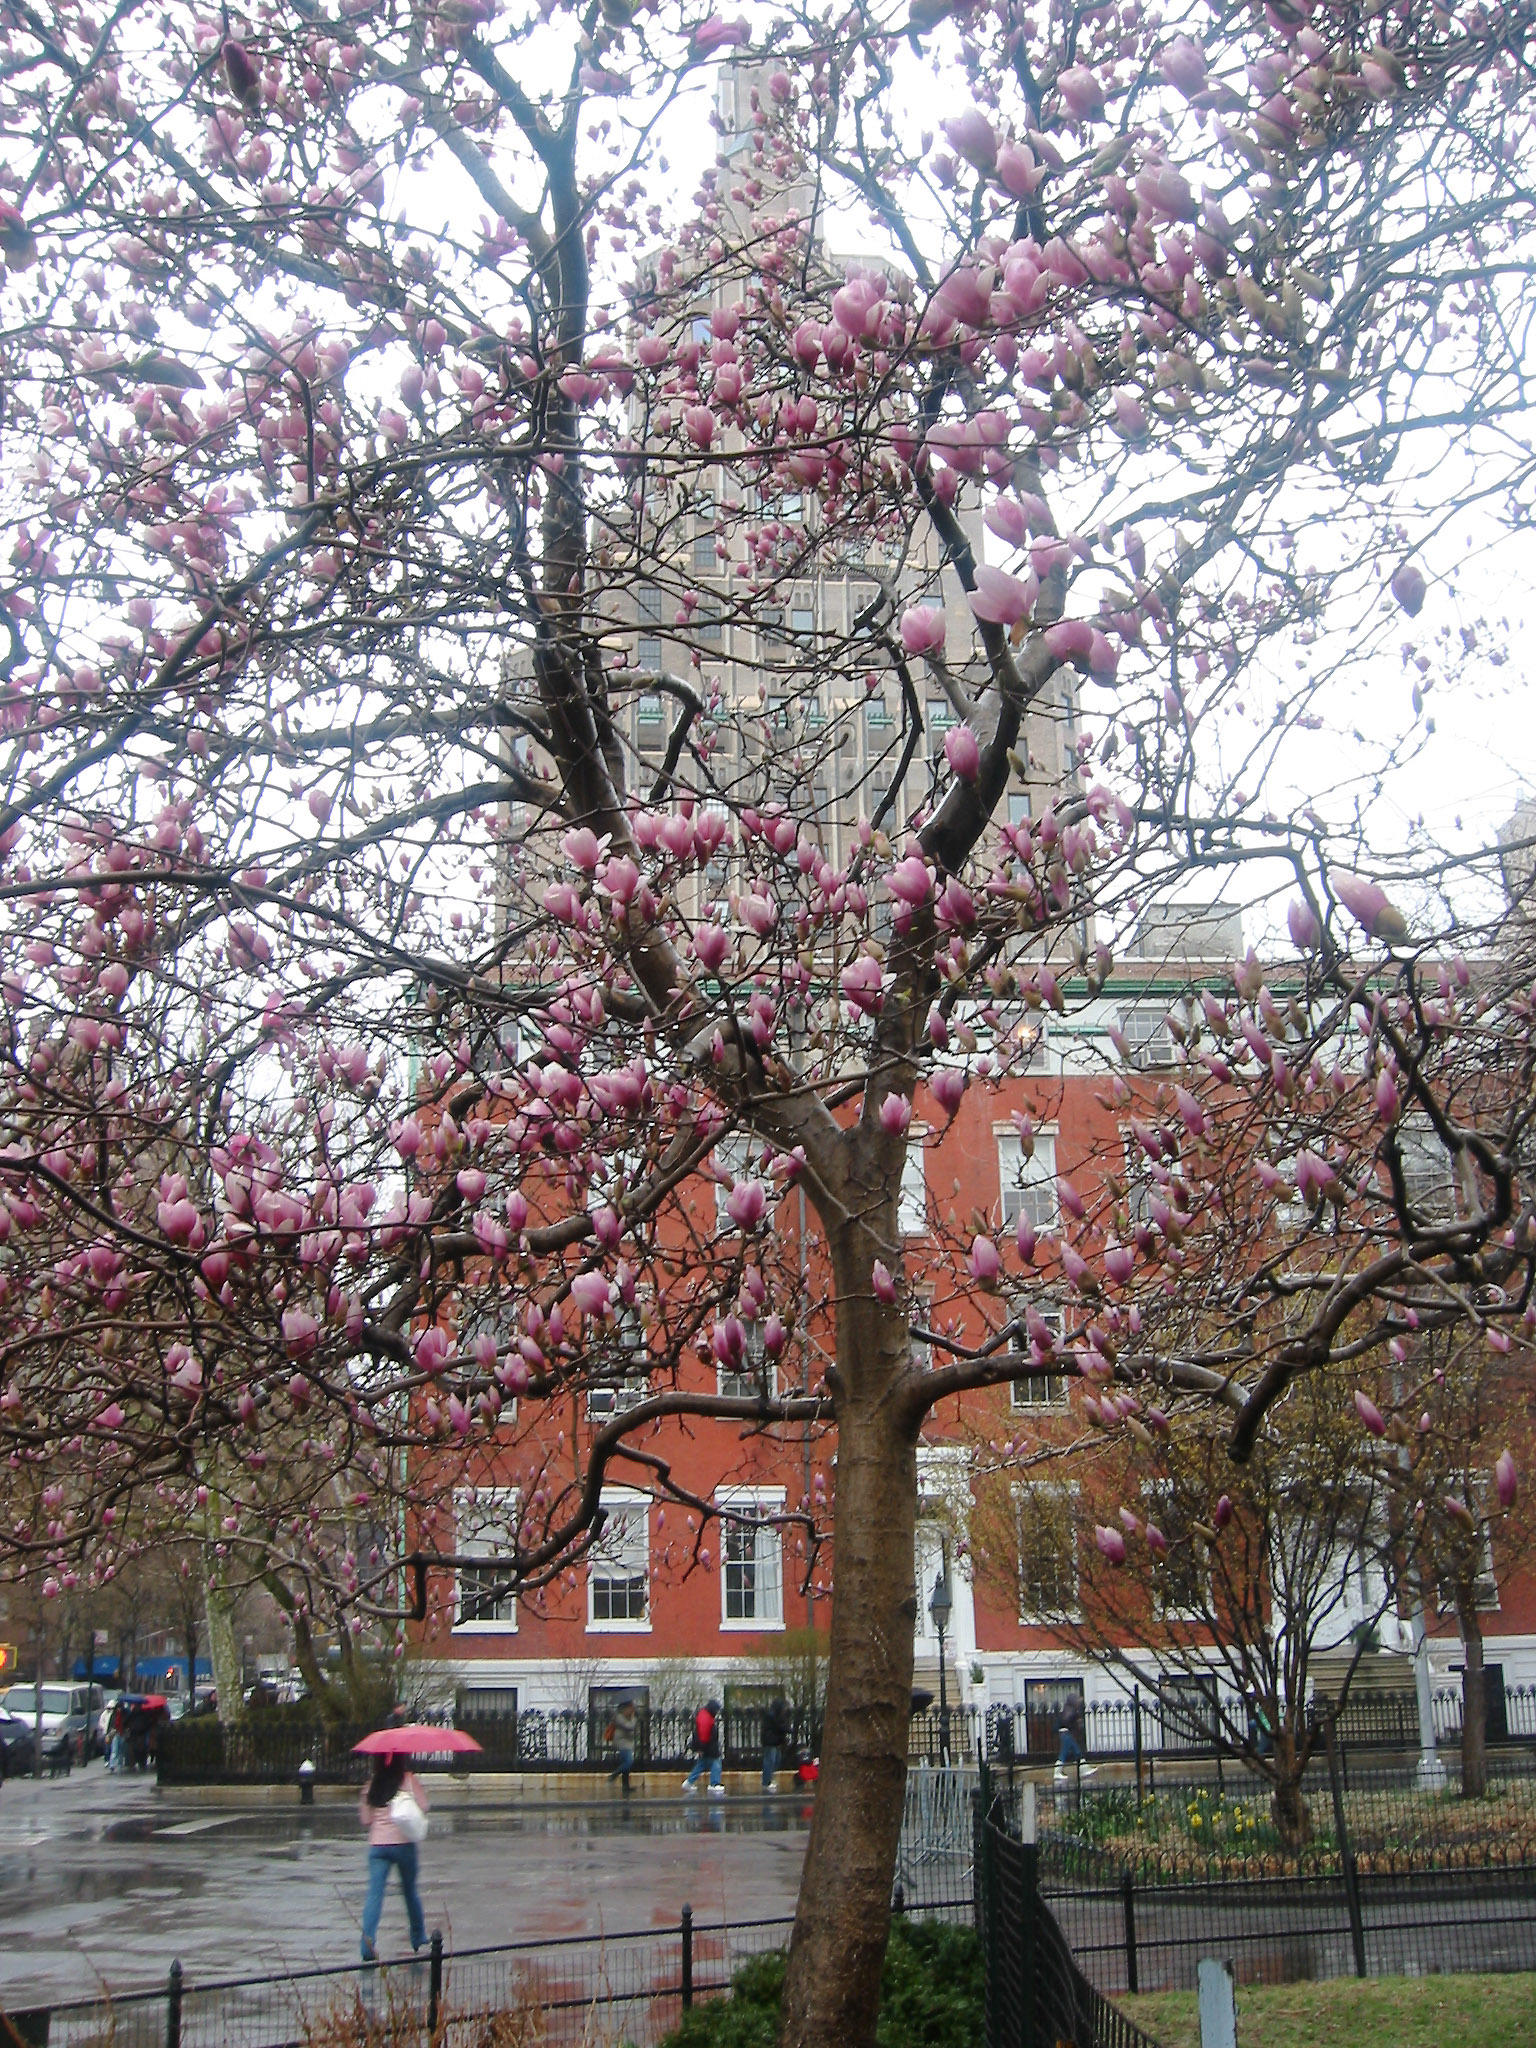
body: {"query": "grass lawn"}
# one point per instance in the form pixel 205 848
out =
pixel 1385 2012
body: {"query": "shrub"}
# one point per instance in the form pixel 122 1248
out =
pixel 931 1996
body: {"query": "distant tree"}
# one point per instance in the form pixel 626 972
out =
pixel 373 381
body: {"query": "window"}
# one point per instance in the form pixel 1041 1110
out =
pixel 1181 1576
pixel 500 1324
pixel 755 1374
pixel 618 1565
pixel 1473 1557
pixel 1028 1185
pixel 1428 1176
pixel 1020 1039
pixel 704 556
pixel 485 1524
pixel 1018 807
pixel 709 624
pixel 648 645
pixel 731 1161
pixel 877 715
pixel 485 1703
pixel 802 619
pixel 751 1558
pixel 1139 1183
pixel 621 1369
pixel 1148 1040
pixel 1046 1522
pixel 1189 1712
pixel 912 1202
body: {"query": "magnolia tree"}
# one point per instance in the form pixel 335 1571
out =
pixel 1234 1597
pixel 375 387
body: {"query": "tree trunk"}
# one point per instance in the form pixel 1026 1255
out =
pixel 223 1650
pixel 1289 1806
pixel 1474 1698
pixel 832 1989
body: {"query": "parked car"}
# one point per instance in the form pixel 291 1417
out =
pixel 68 1722
pixel 17 1747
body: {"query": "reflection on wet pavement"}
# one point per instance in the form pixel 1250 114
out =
pixel 108 1880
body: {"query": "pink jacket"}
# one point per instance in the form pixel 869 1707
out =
pixel 382 1832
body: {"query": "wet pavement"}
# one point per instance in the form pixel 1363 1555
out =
pixel 105 1880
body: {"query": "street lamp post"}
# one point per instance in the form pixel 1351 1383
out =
pixel 939 1608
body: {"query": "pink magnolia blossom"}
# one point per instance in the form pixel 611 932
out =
pixel 922 629
pixel 972 136
pixel 948 1086
pixel 1001 599
pixel 895 1115
pixel 1409 588
pixel 711 947
pixel 984 1262
pixel 1110 1542
pixel 591 1293
pixel 1367 904
pixel 1314 1176
pixel 1369 1413
pixel 747 1204
pixel 1017 171
pixel 301 1332
pixel 863 985
pixel 1223 1512
pixel 962 752
pixel 882 1282
pixel 1303 926
pixel 1505 1479
pixel 911 880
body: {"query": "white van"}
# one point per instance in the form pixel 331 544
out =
pixel 66 1715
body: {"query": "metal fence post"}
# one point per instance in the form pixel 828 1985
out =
pixel 173 1989
pixel 1136 1718
pixel 1128 1901
pixel 687 1930
pixel 434 1981
pixel 1346 1851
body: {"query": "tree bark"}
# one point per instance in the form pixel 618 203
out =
pixel 1289 1806
pixel 223 1650
pixel 832 1989
pixel 1474 1697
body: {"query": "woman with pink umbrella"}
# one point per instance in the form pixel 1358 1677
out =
pixel 393 1808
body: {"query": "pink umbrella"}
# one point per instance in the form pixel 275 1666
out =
pixel 414 1739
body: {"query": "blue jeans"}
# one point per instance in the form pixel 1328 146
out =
pixel 770 1767
pixel 382 1858
pixel 1071 1750
pixel 705 1763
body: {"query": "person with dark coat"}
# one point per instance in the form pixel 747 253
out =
pixel 623 1733
pixel 706 1741
pixel 778 1731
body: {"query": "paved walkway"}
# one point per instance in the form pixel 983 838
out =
pixel 105 1880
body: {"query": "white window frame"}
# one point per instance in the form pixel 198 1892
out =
pixel 1149 1042
pixel 767 1561
pixel 912 1201
pixel 1033 1617
pixel 1429 1172
pixel 1055 1315
pixel 633 1509
pixel 1027 1186
pixel 755 1373
pixel 731 1161
pixel 501 1322
pixel 478 1511
pixel 628 1389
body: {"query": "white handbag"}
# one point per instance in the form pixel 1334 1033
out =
pixel 408 1817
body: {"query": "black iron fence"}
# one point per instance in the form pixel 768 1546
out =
pixel 590 1990
pixel 260 1750
pixel 1133 1730
pixel 1037 1993
pixel 1396 1878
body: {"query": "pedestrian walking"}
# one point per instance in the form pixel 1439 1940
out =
pixel 1069 1739
pixel 706 1741
pixel 622 1734
pixel 393 1808
pixel 117 1742
pixel 778 1729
